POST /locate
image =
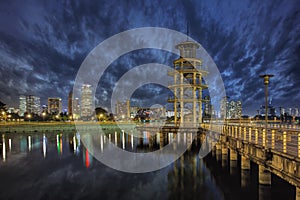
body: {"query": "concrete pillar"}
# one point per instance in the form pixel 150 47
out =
pixel 245 171
pixel 245 163
pixel 264 192
pixel 298 145
pixel 224 155
pixel 250 134
pixel 224 149
pixel 233 155
pixel 213 151
pixel 297 193
pixel 273 139
pixel 264 138
pixel 264 176
pixel 284 141
pixel 256 136
pixel 233 167
pixel 245 178
pixel 218 151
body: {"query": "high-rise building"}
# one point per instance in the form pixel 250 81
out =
pixel 22 105
pixel 123 110
pixel 86 101
pixel 70 103
pixel 54 105
pixel 231 109
pixel 289 111
pixel 76 108
pixel 207 106
pixel 224 107
pixel 33 104
pixel 296 111
pixel 282 111
pixel 30 104
pixel 238 113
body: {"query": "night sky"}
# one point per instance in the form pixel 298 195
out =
pixel 43 44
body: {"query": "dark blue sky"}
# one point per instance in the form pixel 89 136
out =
pixel 43 44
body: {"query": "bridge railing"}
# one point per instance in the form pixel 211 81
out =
pixel 284 140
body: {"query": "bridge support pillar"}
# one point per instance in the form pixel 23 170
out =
pixel 297 193
pixel 245 163
pixel 233 155
pixel 224 155
pixel 264 179
pixel 245 171
pixel 218 151
pixel 233 162
pixel 224 149
pixel 264 192
pixel 264 175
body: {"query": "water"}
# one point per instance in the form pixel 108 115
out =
pixel 58 166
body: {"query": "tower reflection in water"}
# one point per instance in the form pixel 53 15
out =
pixel 186 178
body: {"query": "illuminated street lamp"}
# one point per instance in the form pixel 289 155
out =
pixel 43 114
pixel 266 78
pixel 4 116
pixel 29 116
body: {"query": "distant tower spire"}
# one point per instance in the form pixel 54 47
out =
pixel 187 31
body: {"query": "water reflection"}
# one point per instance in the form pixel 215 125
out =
pixel 44 145
pixel 29 143
pixel 3 148
pixel 68 172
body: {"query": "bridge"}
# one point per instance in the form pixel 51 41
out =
pixel 275 149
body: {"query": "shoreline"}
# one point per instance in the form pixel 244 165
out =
pixel 43 127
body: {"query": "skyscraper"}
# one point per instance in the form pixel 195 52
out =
pixel 231 110
pixel 70 104
pixel 54 105
pixel 22 105
pixel 224 106
pixel 86 101
pixel 238 113
pixel 207 107
pixel 33 104
pixel 123 109
pixel 76 108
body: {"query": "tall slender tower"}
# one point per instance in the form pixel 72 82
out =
pixel 188 84
pixel 70 104
pixel 86 101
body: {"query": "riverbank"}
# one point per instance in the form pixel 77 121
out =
pixel 43 127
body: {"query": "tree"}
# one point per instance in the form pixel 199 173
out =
pixel 101 114
pixel 3 110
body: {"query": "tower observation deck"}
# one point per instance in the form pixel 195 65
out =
pixel 188 84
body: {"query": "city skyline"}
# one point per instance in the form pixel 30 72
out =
pixel 41 52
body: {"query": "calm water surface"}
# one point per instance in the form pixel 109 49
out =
pixel 59 166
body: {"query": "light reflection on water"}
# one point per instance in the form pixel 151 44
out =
pixel 57 165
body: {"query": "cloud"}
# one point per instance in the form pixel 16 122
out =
pixel 44 43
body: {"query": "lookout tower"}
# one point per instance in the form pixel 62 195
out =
pixel 188 84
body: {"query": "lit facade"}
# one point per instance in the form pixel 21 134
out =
pixel 54 105
pixel 230 109
pixel 22 105
pixel 70 104
pixel 123 110
pixel 76 108
pixel 207 107
pixel 30 104
pixel 86 101
pixel 33 104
